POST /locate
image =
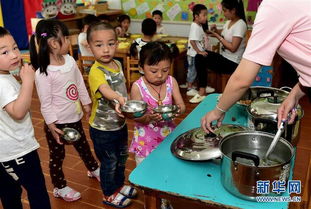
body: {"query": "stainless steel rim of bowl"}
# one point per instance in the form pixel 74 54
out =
pixel 132 106
pixel 166 108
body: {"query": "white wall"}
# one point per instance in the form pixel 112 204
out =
pixel 172 28
pixel 114 4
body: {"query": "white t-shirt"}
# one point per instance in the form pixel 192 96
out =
pixel 196 34
pixel 83 50
pixel 160 29
pixel 238 29
pixel 140 43
pixel 16 136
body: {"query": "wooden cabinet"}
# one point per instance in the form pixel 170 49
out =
pixel 75 24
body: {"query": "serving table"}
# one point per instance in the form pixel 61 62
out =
pixel 162 175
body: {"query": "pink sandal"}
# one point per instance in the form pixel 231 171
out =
pixel 67 193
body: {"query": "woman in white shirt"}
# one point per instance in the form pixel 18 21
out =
pixel 232 39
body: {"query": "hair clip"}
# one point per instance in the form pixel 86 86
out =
pixel 43 34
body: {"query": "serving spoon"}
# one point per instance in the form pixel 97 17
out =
pixel 275 139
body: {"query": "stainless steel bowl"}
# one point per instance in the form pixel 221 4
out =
pixel 167 111
pixel 71 135
pixel 134 108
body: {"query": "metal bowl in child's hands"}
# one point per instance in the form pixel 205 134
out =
pixel 167 112
pixel 71 135
pixel 134 108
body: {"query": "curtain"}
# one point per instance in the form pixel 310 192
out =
pixel 14 20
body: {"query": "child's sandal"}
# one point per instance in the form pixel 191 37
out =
pixel 67 193
pixel 117 200
pixel 128 191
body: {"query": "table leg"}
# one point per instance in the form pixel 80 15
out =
pixel 152 201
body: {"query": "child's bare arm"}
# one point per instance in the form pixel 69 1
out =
pixel 56 132
pixel 19 107
pixel 177 97
pixel 110 94
pixel 87 110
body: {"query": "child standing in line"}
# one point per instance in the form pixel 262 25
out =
pixel 157 16
pixel 107 129
pixel 19 159
pixel 83 45
pixel 84 48
pixel 196 46
pixel 124 24
pixel 61 91
pixel 148 29
pixel 155 87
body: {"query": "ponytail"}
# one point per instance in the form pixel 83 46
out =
pixel 237 5
pixel 240 10
pixel 44 55
pixel 33 52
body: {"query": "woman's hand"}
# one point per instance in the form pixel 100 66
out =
pixel 56 132
pixel 287 110
pixel 213 28
pixel 289 105
pixel 207 120
pixel 212 33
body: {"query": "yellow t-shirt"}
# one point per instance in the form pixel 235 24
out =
pixel 103 115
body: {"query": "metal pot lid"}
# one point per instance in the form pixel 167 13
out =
pixel 267 107
pixel 262 91
pixel 196 145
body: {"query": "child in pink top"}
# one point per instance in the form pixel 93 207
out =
pixel 61 91
pixel 155 87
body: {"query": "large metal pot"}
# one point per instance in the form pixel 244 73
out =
pixel 242 164
pixel 263 117
pixel 262 91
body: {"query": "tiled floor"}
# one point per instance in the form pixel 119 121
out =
pixel 75 171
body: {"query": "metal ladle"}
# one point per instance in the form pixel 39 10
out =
pixel 275 140
pixel 277 135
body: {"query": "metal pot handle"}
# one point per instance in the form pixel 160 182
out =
pixel 267 91
pixel 286 88
pixel 245 155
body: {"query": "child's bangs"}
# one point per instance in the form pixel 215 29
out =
pixel 155 58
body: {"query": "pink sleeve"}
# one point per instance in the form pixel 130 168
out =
pixel 271 27
pixel 44 90
pixel 83 93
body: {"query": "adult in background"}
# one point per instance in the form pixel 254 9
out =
pixel 232 39
pixel 273 31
